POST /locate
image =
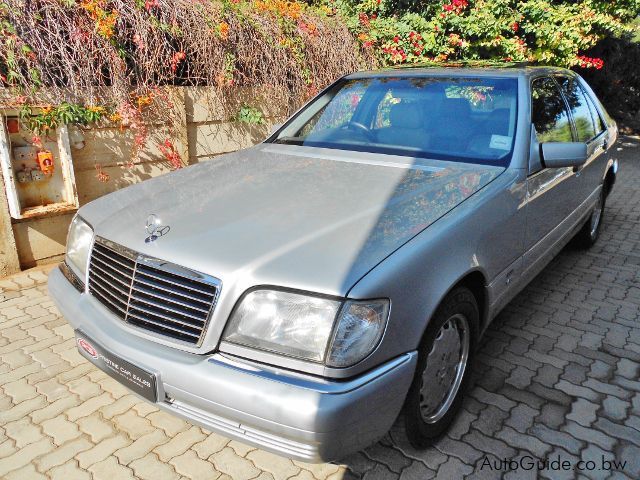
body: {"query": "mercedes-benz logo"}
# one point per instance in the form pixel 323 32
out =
pixel 155 229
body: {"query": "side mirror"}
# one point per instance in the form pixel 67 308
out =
pixel 564 154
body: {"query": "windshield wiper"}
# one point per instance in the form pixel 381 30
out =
pixel 289 140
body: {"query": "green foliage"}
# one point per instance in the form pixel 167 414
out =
pixel 49 118
pixel 551 32
pixel 250 115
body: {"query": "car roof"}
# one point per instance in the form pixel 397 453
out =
pixel 460 70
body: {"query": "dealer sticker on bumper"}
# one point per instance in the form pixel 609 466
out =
pixel 135 378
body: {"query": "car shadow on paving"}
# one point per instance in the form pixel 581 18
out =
pixel 557 376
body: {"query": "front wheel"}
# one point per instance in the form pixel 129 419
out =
pixel 443 372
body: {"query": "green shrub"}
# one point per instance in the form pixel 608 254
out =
pixel 543 31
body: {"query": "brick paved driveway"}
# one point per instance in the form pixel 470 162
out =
pixel 558 375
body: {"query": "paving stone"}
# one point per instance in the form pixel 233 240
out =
pixel 577 391
pixel 548 375
pixel 63 454
pixel 7 448
pixel 417 471
pixel 380 472
pixel 614 408
pixel 594 454
pixel 89 406
pixel 491 398
pixel 150 468
pixel 189 465
pixel 523 396
pixel 28 471
pixel 319 470
pixel 120 406
pixel 631 455
pixel 432 457
pixel 51 389
pixel 461 424
pixel 575 373
pixel 631 385
pixel 53 409
pixel 102 450
pixel 490 420
pixel 60 429
pixel 145 408
pixel 95 427
pixel 238 468
pixel 211 444
pixel 453 468
pixel 241 449
pixel 110 469
pixel 560 456
pixel 589 435
pixel 140 447
pixel 628 369
pixel 23 432
pixel 134 426
pixel 607 388
pixel 388 456
pixel 84 388
pixel 600 370
pixel 583 412
pixel 489 445
pixel 560 439
pixel 357 463
pixel 550 394
pixel 283 468
pixel 19 391
pixel 520 377
pixel 68 471
pixel 24 456
pixel 115 388
pixel 307 475
pixel 179 444
pixel 524 442
pixel 544 358
pixel 521 417
pixel 552 415
pixel 462 450
pixel 618 431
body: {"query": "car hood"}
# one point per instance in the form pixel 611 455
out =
pixel 298 217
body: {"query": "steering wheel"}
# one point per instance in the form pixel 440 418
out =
pixel 360 127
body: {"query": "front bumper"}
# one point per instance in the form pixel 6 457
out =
pixel 295 415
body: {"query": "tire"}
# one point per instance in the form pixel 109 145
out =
pixel 590 231
pixel 453 328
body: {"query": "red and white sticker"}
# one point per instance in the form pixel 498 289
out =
pixel 87 347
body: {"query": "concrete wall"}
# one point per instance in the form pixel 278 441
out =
pixel 202 129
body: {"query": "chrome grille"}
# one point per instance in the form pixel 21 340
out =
pixel 150 293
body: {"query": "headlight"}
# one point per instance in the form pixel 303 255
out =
pixel 301 326
pixel 78 245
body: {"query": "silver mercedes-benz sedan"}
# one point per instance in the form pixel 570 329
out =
pixel 301 294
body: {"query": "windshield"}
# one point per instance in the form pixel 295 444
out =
pixel 462 119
